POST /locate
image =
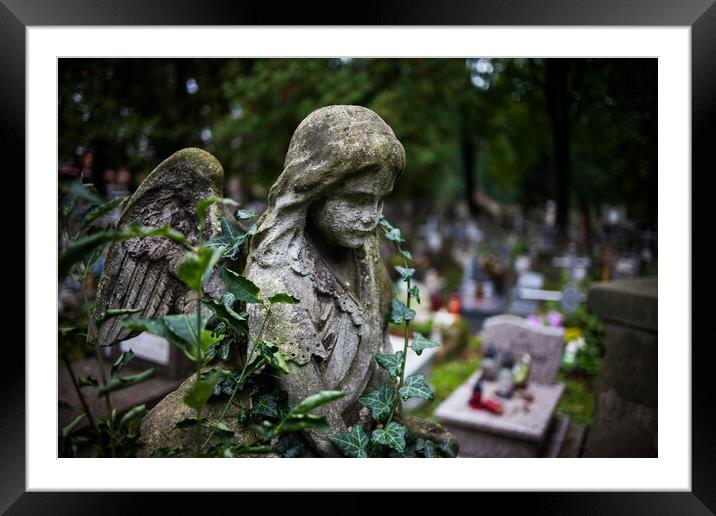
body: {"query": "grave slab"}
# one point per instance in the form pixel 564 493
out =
pixel 520 431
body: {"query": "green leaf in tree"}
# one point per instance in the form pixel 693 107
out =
pixel 316 400
pixel 283 298
pixel 405 272
pixel 122 383
pixel 98 211
pixel 266 405
pixel 353 443
pixel 242 288
pixel 66 431
pixel 415 387
pixel 116 312
pixel 225 313
pixel 134 413
pixel 121 363
pixel 202 388
pixel 380 402
pixel 420 343
pixel 392 436
pixel 196 267
pixel 391 363
pixel 400 313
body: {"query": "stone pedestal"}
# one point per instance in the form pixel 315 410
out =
pixel 522 430
pixel 625 414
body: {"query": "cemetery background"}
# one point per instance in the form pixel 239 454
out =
pixel 508 163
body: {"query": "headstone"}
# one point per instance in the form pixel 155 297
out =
pixel 626 398
pixel 515 334
pixel 522 430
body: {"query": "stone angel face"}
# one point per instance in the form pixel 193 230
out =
pixel 349 214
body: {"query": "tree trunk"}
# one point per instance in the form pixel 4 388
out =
pixel 558 103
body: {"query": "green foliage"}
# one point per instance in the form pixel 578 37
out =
pixel 400 313
pixel 380 402
pixel 283 298
pixel 420 343
pixel 196 267
pixel 415 387
pixel 391 363
pixel 353 443
pixel 392 436
pixel 202 388
pixel 122 383
pixel 242 288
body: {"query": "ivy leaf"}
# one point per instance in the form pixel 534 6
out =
pixel 353 443
pixel 291 445
pixel 405 272
pixel 400 313
pixel 232 238
pixel 447 450
pixel 406 254
pixel 196 267
pixel 415 387
pixel 391 363
pixel 427 447
pixel 225 313
pixel 283 298
pixel 244 214
pixel 380 402
pixel 414 293
pixel 420 343
pixel 121 363
pixel 394 236
pixel 392 436
pixel 266 405
pixel 202 388
pixel 242 288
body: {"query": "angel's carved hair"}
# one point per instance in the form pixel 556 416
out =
pixel 329 145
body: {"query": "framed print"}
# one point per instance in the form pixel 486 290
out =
pixel 46 45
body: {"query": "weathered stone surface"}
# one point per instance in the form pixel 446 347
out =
pixel 520 431
pixel 626 390
pixel 141 272
pixel 627 302
pixel 318 241
pixel 515 334
pixel 158 427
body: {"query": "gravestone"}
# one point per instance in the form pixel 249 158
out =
pixel 626 400
pixel 515 334
pixel 522 430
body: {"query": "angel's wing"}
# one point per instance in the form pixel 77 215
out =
pixel 141 272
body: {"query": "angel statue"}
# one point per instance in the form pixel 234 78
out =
pixel 317 241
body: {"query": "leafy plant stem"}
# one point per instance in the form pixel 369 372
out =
pixel 79 393
pixel 100 365
pixel 405 345
pixel 240 381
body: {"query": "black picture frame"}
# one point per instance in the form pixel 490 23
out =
pixel 700 15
